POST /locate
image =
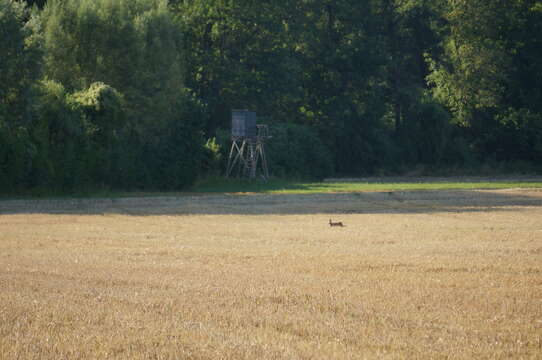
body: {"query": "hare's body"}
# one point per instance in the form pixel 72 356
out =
pixel 338 223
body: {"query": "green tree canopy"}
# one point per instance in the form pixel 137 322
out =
pixel 132 49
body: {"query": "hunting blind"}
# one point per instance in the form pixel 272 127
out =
pixel 247 149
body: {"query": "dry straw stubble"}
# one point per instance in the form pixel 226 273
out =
pixel 436 275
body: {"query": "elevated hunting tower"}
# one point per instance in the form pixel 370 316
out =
pixel 247 148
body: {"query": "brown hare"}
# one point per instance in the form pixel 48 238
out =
pixel 338 223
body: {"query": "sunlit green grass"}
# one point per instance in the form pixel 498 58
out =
pixel 294 187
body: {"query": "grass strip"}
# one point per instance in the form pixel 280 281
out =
pixel 292 187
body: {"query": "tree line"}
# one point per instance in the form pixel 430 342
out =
pixel 137 94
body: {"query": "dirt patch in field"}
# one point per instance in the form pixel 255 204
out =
pixel 341 203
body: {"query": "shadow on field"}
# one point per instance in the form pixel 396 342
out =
pixel 427 201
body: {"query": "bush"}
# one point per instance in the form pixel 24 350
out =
pixel 519 136
pixel 17 153
pixel 59 134
pixel 142 128
pixel 296 151
pixel 212 158
pixel 171 159
pixel 103 114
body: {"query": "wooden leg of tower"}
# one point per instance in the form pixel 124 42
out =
pixel 256 158
pixel 249 170
pixel 242 159
pixel 264 163
pixel 237 160
pixel 231 161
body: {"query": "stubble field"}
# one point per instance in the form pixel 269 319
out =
pixel 413 274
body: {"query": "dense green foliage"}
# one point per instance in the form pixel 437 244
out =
pixel 107 107
pixel 122 94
